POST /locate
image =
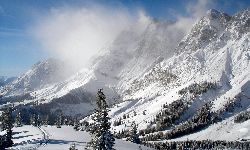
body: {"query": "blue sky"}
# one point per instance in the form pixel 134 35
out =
pixel 19 50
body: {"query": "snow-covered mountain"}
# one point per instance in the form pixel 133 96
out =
pixel 5 80
pixel 42 74
pixel 128 56
pixel 210 66
pixel 147 72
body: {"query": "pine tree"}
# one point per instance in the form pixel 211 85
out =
pixel 59 121
pixel 33 120
pixel 73 147
pixel 102 138
pixel 46 120
pixel 7 124
pixel 38 120
pixel 2 143
pixel 76 125
pixel 124 116
pixel 18 120
pixel 133 136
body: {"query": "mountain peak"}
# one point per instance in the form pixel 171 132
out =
pixel 245 13
pixel 215 14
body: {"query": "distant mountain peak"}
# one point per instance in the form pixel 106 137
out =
pixel 215 14
pixel 243 12
pixel 5 80
pixel 41 74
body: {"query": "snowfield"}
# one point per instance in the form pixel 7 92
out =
pixel 52 138
pixel 225 130
pixel 27 137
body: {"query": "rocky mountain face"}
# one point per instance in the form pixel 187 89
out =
pixel 131 55
pixel 208 72
pixel 198 57
pixel 215 26
pixel 146 70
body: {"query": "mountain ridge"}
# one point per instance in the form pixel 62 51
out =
pixel 144 73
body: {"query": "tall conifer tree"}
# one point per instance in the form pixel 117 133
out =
pixel 7 124
pixel 18 120
pixel 102 138
pixel 133 135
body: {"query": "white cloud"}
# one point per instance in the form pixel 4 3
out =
pixel 199 8
pixel 76 34
pixel 195 10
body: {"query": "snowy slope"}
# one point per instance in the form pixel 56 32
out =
pixel 5 80
pixel 28 137
pixel 41 75
pixel 142 71
pixel 221 58
pixel 225 130
pixel 128 56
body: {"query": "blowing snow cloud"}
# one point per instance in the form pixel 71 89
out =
pixel 75 34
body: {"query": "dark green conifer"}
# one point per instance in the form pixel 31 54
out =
pixel 102 137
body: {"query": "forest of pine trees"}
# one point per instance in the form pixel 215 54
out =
pixel 203 145
pixel 241 117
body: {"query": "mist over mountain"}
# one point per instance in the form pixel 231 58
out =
pixel 5 80
pixel 148 73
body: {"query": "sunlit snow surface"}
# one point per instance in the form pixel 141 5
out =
pixel 29 137
pixel 225 130
pixel 222 57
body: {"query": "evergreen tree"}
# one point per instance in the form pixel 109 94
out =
pixel 38 120
pixel 133 136
pixel 76 125
pixel 18 120
pixel 2 143
pixel 73 147
pixel 59 121
pixel 102 138
pixel 33 120
pixel 46 120
pixel 7 124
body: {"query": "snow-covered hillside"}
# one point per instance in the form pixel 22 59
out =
pixel 42 74
pixel 52 138
pixel 6 80
pixel 216 52
pixel 155 80
pixel 225 130
pixel 131 54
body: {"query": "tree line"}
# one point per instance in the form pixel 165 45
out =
pixel 202 144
